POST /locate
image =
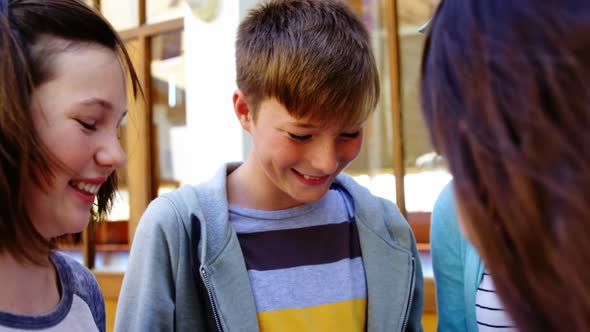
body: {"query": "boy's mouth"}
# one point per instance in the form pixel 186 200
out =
pixel 311 180
pixel 308 177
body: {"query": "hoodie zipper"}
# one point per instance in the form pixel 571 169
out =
pixel 211 300
pixel 408 304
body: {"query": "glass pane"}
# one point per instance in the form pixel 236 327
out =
pixel 121 14
pixel 163 10
pixel 426 172
pixel 111 238
pixel 120 210
pixel 168 97
pixel 374 166
pixel 90 3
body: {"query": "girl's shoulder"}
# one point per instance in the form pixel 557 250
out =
pixel 73 273
pixel 79 283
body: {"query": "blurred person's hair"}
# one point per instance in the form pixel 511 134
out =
pixel 506 97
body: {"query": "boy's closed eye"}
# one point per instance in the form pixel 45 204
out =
pixel 302 138
pixel 299 138
pixel 351 135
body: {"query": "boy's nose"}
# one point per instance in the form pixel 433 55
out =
pixel 324 159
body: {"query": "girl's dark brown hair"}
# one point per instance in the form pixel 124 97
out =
pixel 27 28
pixel 506 96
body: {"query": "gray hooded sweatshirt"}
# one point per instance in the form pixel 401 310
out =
pixel 186 271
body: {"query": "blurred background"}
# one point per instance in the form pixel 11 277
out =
pixel 185 128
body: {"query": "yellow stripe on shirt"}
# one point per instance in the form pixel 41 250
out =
pixel 342 316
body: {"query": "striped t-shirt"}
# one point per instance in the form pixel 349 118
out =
pixel 489 310
pixel 305 265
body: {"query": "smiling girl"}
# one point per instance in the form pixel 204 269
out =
pixel 62 100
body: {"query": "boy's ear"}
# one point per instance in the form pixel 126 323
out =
pixel 242 109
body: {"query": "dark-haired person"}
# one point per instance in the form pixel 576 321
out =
pixel 283 241
pixel 62 99
pixel 506 96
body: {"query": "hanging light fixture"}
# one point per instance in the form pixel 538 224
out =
pixel 205 10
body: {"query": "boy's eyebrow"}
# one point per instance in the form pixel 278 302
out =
pixel 301 125
pixel 311 126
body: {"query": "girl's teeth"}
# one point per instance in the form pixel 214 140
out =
pixel 309 177
pixel 87 188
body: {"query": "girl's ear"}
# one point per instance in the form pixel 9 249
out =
pixel 242 109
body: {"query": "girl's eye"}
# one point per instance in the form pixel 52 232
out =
pixel 350 135
pixel 86 125
pixel 299 138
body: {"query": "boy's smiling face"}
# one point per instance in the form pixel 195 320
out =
pixel 294 161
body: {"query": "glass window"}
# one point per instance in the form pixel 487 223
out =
pixel 121 14
pixel 168 107
pixel 121 207
pixel 120 210
pixel 163 10
pixel 425 171
pixel 374 166
pixel 90 3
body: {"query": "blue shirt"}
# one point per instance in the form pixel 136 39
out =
pixel 457 268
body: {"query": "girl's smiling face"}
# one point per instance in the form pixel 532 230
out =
pixel 76 114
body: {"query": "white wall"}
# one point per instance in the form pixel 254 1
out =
pixel 212 135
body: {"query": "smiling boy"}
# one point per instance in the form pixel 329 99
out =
pixel 283 241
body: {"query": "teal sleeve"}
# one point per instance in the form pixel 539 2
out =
pixel 447 248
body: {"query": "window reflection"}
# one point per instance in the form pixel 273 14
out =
pixel 163 10
pixel 168 107
pixel 426 172
pixel 89 3
pixel 121 14
pixel 121 209
pixel 373 167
